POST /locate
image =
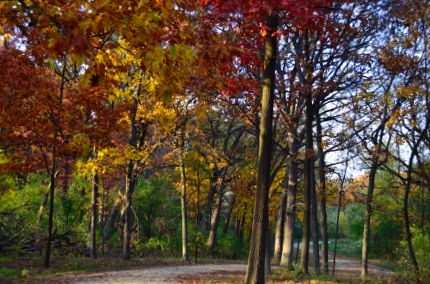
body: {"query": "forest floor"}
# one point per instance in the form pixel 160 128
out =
pixel 173 270
pixel 347 271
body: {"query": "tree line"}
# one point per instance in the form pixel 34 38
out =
pixel 242 112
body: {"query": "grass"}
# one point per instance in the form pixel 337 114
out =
pixel 7 273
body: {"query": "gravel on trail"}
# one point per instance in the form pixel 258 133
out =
pixel 162 274
pixel 185 273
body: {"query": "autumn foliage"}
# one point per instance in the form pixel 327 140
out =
pixel 136 128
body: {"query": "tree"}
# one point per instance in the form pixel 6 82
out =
pixel 310 15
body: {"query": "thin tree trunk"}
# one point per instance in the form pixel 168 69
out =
pixel 241 228
pixel 185 254
pixel 238 226
pixel 129 188
pixel 339 206
pixel 198 198
pixel 210 199
pixel 53 173
pixel 103 217
pixel 107 229
pixel 323 193
pixel 406 215
pixel 66 178
pixel 211 242
pixel 314 222
pixel 290 218
pixel 129 185
pixel 304 257
pixel 255 272
pixel 366 229
pixel 42 206
pixel 229 213
pixel 280 222
pixel 51 211
pixel 92 236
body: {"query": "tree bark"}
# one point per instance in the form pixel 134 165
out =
pixel 92 234
pixel 103 218
pixel 241 228
pixel 66 178
pixel 42 206
pixel 129 185
pixel 339 206
pixel 184 225
pixel 314 222
pixel 210 199
pixel 304 256
pixel 280 222
pixel 229 213
pixel 107 229
pixel 290 218
pixel 129 189
pixel 406 214
pixel 323 193
pixel 215 219
pixel 198 197
pixel 255 272
pixel 366 230
pixel 51 211
pixel 267 268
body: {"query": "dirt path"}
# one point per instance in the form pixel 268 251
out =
pixel 194 273
pixel 353 267
pixel 163 274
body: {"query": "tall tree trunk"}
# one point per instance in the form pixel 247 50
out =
pixel 304 257
pixel 210 199
pixel 323 193
pixel 198 197
pixel 215 219
pixel 66 178
pixel 43 203
pixel 53 175
pixel 228 216
pixel 103 217
pixel 314 222
pixel 185 254
pixel 65 189
pixel 366 229
pixel 280 222
pixel 406 214
pixel 255 272
pixel 241 228
pixel 237 226
pixel 267 268
pixel 129 185
pixel 290 218
pixel 129 189
pixel 339 206
pixel 92 234
pixel 108 226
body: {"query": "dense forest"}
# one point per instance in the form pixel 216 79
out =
pixel 280 133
